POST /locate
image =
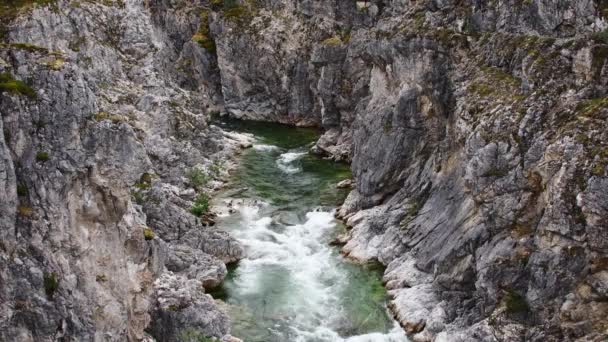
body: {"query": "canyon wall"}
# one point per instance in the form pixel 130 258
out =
pixel 104 115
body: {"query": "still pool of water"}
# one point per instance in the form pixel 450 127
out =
pixel 292 285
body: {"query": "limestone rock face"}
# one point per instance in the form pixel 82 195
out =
pixel 97 144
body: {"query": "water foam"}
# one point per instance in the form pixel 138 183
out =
pixel 285 162
pixel 314 276
pixel 265 148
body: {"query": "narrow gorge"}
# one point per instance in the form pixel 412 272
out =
pixel 303 170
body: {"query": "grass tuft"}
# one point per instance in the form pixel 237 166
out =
pixel 10 85
pixel 201 205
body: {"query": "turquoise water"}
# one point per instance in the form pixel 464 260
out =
pixel 293 286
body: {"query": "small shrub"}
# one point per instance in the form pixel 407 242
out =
pixel 145 181
pixel 197 178
pixel 148 234
pixel 515 303
pixel 21 189
pixel 51 284
pixel 216 168
pixel 138 197
pixel 10 85
pixel 42 156
pixel 235 13
pixel 202 36
pixel 217 4
pixel 201 205
pixel 601 37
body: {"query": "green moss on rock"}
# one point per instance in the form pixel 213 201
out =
pixel 42 156
pixel 148 234
pixel 51 284
pixel 10 85
pixel 516 303
pixel 202 37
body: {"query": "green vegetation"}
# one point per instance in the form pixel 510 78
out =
pixel 51 284
pixel 115 118
pixel 9 84
pixel 216 168
pixel 216 4
pixel 237 12
pixel 21 189
pixel 600 155
pixel 26 47
pixel 145 181
pixel 193 336
pixel 496 83
pixel 197 178
pixel 590 108
pixel 138 197
pixel 601 37
pixel 11 8
pixel 519 230
pixel 515 303
pixel 42 156
pixel 56 64
pixel 333 41
pixel 148 234
pixel 201 205
pixel 202 36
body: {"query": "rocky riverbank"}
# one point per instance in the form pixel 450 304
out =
pixel 476 133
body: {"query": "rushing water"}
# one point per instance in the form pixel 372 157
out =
pixel 293 286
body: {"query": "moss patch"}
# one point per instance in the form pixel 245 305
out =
pixel 515 303
pixel 496 83
pixel 333 41
pixel 42 156
pixel 12 86
pixel 115 118
pixel 202 37
pixel 591 108
pixel 51 284
pixel 148 234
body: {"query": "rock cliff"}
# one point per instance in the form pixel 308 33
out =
pixel 476 132
pixel 105 145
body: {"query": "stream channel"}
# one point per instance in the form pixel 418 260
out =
pixel 293 285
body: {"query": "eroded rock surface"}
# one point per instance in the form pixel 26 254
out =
pixel 98 149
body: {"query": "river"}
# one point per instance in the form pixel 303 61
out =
pixel 292 285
